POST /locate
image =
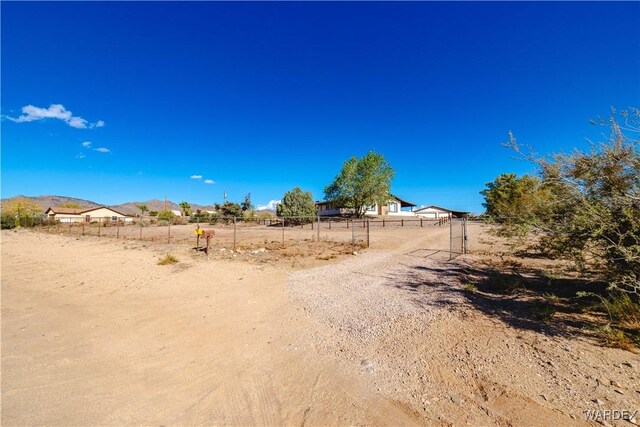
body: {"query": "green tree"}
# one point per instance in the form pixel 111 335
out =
pixel 230 209
pixel 186 208
pixel 246 204
pixel 143 209
pixel 514 202
pixel 22 207
pixel 297 203
pixel 19 211
pixel 361 183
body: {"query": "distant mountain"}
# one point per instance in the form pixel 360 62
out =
pixel 129 208
pixel 52 201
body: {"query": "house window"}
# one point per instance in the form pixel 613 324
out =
pixel 114 218
pixel 371 208
pixel 393 207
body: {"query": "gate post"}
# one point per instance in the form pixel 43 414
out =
pixel 368 238
pixel 450 240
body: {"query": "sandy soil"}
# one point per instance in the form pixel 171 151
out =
pixel 94 331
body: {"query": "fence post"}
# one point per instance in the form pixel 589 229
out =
pixel 234 233
pixel 169 233
pixel 83 221
pixel 318 228
pixel 401 222
pixel 450 240
pixel 329 223
pixel 368 238
pixel 140 230
pixel 117 229
pixel 464 235
pixel 353 233
pixel 283 218
pixel 420 222
pixel 382 222
pixel 99 227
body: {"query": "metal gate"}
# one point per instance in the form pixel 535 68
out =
pixel 359 232
pixel 457 237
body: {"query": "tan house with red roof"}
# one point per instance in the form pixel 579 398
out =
pixel 100 213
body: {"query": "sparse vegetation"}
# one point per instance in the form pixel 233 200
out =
pixel 469 287
pixel 168 259
pixel 583 207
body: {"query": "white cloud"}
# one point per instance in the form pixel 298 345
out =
pixel 209 181
pixel 196 177
pixel 86 144
pixel 32 113
pixel 270 206
pixel 80 156
pixel 102 150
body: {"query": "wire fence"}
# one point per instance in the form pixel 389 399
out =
pixel 241 232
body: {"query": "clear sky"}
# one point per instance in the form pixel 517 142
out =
pixel 128 101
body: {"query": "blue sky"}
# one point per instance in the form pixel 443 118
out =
pixel 262 97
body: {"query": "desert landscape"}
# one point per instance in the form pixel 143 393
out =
pixel 96 332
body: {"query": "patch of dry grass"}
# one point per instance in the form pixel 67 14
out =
pixel 168 259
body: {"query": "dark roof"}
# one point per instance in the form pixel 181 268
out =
pixel 403 203
pixel 81 211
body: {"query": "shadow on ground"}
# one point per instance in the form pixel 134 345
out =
pixel 524 299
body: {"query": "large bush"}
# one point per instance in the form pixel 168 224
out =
pixel 166 216
pixel 585 205
pixel 297 204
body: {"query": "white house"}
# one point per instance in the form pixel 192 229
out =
pixel 100 213
pixel 177 213
pixel 436 212
pixel 395 206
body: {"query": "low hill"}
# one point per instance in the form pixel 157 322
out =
pixel 129 208
pixel 51 201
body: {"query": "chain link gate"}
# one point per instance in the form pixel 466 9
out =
pixel 457 237
pixel 359 232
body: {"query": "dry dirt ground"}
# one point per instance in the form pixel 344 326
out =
pixel 95 332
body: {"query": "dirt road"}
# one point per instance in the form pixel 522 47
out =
pixel 95 332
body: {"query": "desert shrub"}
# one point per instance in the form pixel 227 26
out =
pixel 469 287
pixel 168 259
pixel 214 218
pixel 166 215
pixel 162 223
pixel 584 206
pixel 249 216
pixel 153 213
pixel 7 222
pixel 617 338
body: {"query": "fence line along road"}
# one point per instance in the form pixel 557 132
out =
pixel 237 231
